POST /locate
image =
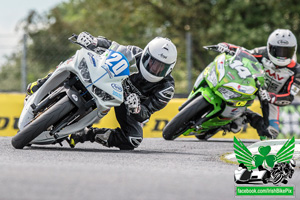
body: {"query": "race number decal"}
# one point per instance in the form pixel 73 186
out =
pixel 117 63
pixel 243 72
pixel 240 103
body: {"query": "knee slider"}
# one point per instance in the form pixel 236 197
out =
pixel 135 141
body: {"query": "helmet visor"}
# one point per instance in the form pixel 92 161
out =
pixel 282 52
pixel 154 66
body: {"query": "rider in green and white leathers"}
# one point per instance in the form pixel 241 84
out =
pixel 282 75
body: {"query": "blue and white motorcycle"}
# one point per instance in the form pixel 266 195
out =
pixel 79 92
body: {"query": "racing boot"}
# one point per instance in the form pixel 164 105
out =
pixel 33 87
pixel 81 136
pixel 90 134
pixel 269 133
pixel 102 136
pixel 265 131
pixel 238 124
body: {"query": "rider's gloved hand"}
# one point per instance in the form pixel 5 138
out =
pixel 268 96
pixel 223 47
pixel 264 95
pixel 267 63
pixel 133 103
pixel 86 39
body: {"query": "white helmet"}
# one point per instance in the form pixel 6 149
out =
pixel 158 59
pixel 282 46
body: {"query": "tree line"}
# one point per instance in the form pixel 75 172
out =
pixel 135 22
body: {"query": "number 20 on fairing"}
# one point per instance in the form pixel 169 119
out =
pixel 117 63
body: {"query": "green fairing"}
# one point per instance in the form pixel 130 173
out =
pixel 232 76
pixel 237 73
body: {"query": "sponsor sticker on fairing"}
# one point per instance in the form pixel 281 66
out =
pixel 117 87
pixel 117 94
pixel 92 59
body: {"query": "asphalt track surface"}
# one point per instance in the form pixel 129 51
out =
pixel 182 169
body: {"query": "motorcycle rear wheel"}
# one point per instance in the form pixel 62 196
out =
pixel 40 124
pixel 179 124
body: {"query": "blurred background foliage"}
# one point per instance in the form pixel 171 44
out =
pixel 135 22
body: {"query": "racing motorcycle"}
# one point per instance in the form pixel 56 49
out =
pixel 282 171
pixel 221 94
pixel 79 92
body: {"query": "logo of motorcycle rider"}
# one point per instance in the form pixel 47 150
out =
pixel 281 165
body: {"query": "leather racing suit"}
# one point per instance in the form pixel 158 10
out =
pixel 282 84
pixel 153 97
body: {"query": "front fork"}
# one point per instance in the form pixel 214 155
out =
pixel 84 106
pixel 211 98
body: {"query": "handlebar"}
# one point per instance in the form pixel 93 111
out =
pixel 74 36
pixel 73 39
pixel 216 47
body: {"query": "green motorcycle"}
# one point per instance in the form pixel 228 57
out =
pixel 221 94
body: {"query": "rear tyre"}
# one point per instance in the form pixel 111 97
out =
pixel 179 124
pixel 40 124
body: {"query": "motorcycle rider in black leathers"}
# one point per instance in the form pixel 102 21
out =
pixel 146 92
pixel 282 76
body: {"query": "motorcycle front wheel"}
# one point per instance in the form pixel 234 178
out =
pixel 207 134
pixel 180 123
pixel 42 123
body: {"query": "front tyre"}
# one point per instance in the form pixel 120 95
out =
pixel 179 124
pixel 208 134
pixel 40 124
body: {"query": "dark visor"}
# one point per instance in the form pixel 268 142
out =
pixel 282 52
pixel 154 66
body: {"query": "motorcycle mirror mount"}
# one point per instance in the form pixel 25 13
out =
pixel 211 48
pixel 234 54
